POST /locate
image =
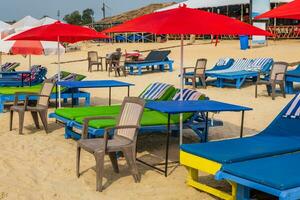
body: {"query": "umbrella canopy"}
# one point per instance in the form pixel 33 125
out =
pixel 185 20
pixel 287 11
pixel 59 32
pixel 24 24
pixel 4 26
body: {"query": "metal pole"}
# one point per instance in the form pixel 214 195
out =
pixel 242 12
pixel 181 89
pixel 29 61
pixel 58 72
pixel 0 58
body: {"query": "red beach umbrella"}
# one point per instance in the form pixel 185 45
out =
pixel 186 21
pixel 288 11
pixel 59 32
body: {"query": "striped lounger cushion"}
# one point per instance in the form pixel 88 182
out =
pixel 294 110
pixel 187 95
pixel 238 65
pixel 223 61
pixel 259 63
pixel 155 91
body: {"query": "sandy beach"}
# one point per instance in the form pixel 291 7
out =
pixel 40 166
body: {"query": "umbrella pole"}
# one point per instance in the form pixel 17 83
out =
pixel 181 88
pixel 58 72
pixel 0 58
pixel 29 61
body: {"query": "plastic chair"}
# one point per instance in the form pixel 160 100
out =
pixel 94 59
pixel 277 77
pixel 198 72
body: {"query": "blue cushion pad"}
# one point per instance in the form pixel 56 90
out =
pixel 279 172
pixel 236 150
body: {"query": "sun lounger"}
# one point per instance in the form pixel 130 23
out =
pixel 151 120
pixel 9 67
pixel 36 75
pixel 154 58
pixel 7 94
pixel 281 136
pixel 240 71
pixel 277 175
pixel 291 77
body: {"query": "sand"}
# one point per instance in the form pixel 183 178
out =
pixel 39 166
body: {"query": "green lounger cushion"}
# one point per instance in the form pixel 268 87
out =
pixel 73 113
pixel 150 118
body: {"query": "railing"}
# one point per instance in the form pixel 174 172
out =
pixel 285 32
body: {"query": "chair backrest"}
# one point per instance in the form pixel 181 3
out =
pixel 93 56
pixel 45 93
pixel 278 71
pixel 131 114
pixel 200 66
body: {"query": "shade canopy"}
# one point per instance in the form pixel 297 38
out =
pixel 185 20
pixel 287 11
pixel 215 3
pixel 59 32
pixel 4 26
pixel 24 24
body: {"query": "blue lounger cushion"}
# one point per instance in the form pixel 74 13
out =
pixel 281 136
pixel 279 172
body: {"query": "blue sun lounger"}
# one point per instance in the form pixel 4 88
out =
pixel 280 137
pixel 291 77
pixel 277 175
pixel 240 71
pixel 154 58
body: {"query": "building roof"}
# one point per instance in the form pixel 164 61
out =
pixel 214 3
pixel 134 13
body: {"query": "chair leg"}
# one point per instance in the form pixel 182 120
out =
pixel 78 161
pixel 273 91
pixel 203 81
pixel 269 89
pixel 21 121
pixel 44 119
pixel 11 120
pixel 194 82
pixel 282 88
pixel 131 161
pixel 35 119
pixel 114 161
pixel 256 90
pixel 99 157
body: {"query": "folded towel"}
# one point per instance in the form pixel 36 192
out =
pixel 294 109
pixel 155 91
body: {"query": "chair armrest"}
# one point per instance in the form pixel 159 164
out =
pixel 16 101
pixel 185 69
pixel 86 124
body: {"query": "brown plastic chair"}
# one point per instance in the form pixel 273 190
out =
pixel 277 77
pixel 94 59
pixel 197 72
pixel 40 108
pixel 118 66
pixel 123 140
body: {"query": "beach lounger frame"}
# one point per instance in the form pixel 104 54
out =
pixel 154 58
pixel 291 77
pixel 237 78
pixel 206 163
pixel 4 98
pixel 196 123
pixel 244 185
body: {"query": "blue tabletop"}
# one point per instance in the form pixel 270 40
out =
pixel 16 72
pixel 174 107
pixel 93 84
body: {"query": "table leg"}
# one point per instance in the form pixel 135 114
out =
pixel 242 124
pixel 22 80
pixel 109 97
pixel 206 127
pixel 168 143
pixel 56 94
pixel 72 97
pixel 128 91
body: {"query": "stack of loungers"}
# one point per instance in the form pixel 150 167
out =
pixel 228 73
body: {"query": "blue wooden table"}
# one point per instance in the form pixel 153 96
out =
pixel 76 85
pixel 177 107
